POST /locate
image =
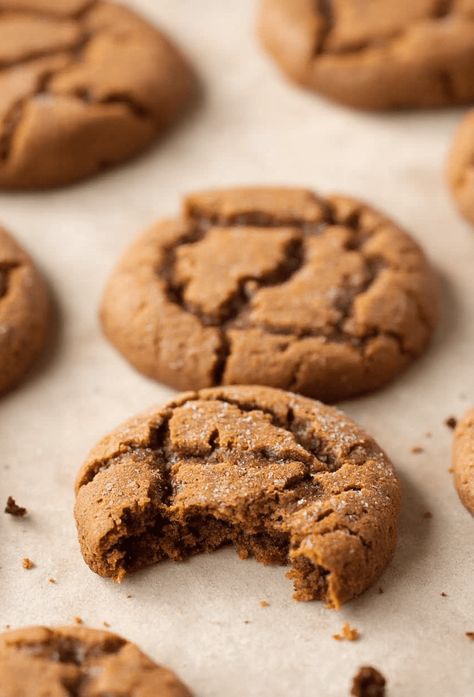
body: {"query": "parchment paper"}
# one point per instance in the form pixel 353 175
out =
pixel 203 618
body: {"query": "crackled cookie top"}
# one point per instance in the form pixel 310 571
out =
pixel 375 54
pixel 83 84
pixel 463 460
pixel 24 312
pixel 283 478
pixel 79 662
pixel 272 286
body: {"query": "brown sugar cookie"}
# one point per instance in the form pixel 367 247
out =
pixel 285 479
pixel 82 662
pixel 24 312
pixel 280 287
pixel 84 84
pixel 463 460
pixel 375 54
pixel 460 168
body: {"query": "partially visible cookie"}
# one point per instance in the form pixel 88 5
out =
pixel 463 460
pixel 24 312
pixel 43 662
pixel 84 84
pixel 273 286
pixel 283 478
pixel 375 54
pixel 460 168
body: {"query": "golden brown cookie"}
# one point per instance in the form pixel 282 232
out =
pixel 463 460
pixel 285 479
pixel 79 662
pixel 461 167
pixel 279 287
pixel 84 84
pixel 24 312
pixel 375 54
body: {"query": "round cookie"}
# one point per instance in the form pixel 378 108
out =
pixel 79 661
pixel 463 460
pixel 460 167
pixel 24 312
pixel 285 479
pixel 279 287
pixel 375 54
pixel 84 85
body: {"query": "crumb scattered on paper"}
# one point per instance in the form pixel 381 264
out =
pixel 451 422
pixel 28 564
pixel 12 508
pixel 348 633
pixel 264 603
pixel 417 449
pixel 78 620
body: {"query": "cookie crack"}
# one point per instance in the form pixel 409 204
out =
pixel 41 12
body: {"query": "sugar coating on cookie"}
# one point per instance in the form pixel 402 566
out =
pixel 460 169
pixel 375 54
pixel 85 84
pixel 24 312
pixel 283 478
pixel 280 287
pixel 463 460
pixel 79 661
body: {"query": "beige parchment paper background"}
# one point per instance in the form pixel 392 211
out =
pixel 203 617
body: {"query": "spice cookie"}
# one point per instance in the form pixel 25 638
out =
pixel 463 460
pixel 461 167
pixel 84 84
pixel 375 54
pixel 24 312
pixel 283 478
pixel 276 287
pixel 82 662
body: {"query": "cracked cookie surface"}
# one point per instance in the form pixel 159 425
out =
pixel 280 287
pixel 24 312
pixel 463 460
pixel 283 478
pixel 375 54
pixel 460 168
pixel 84 84
pixel 79 662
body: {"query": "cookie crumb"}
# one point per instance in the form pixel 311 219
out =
pixel 264 603
pixel 417 449
pixel 52 580
pixel 444 595
pixel 246 621
pixel 368 682
pixel 8 626
pixel 427 515
pixel 129 595
pixel 451 422
pixel 470 635
pixel 28 564
pixel 348 634
pixel 78 620
pixel 13 509
pixel 106 624
pixel 450 470
pixel 428 434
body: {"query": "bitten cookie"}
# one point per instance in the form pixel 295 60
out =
pixel 463 460
pixel 375 54
pixel 85 84
pixel 280 287
pixel 461 167
pixel 24 312
pixel 79 661
pixel 285 479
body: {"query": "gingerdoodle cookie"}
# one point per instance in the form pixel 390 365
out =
pixel 463 460
pixel 24 312
pixel 461 167
pixel 84 84
pixel 279 287
pixel 283 478
pixel 38 661
pixel 375 54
